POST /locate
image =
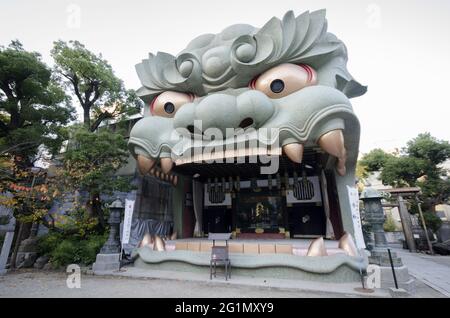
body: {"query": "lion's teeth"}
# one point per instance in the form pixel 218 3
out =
pixel 166 164
pixel 175 180
pixel 294 152
pixel 333 143
pixel 145 164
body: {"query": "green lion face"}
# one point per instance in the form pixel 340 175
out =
pixel 284 86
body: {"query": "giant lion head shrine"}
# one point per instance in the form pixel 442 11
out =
pixel 250 135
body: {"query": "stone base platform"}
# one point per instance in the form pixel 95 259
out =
pixel 105 263
pixel 311 288
pixel 334 268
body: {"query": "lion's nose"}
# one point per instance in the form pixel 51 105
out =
pixel 222 111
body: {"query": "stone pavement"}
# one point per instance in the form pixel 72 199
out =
pixel 314 289
pixel 138 283
pixel 43 284
pixel 431 270
pixel 332 289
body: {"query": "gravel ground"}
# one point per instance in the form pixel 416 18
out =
pixel 31 283
pixel 53 284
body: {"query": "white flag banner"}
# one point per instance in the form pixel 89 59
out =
pixel 356 217
pixel 129 207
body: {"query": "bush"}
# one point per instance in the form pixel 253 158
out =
pixel 78 222
pixel 48 243
pixel 76 242
pixel 72 250
pixel 432 221
pixel 65 253
pixel 89 248
pixel 389 224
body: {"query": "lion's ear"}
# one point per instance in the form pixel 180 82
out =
pixel 350 88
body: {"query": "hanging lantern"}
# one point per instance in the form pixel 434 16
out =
pixel 278 181
pixel 304 189
pixel 254 185
pixel 286 180
pixel 295 177
pixel 216 184
pixel 223 185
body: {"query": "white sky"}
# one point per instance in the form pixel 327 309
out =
pixel 399 48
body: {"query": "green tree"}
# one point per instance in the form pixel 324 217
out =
pixel 432 221
pixel 419 164
pixel 402 171
pixel 33 106
pixel 100 93
pixel 93 156
pixel 429 148
pixel 34 110
pixel 33 113
pixel 90 163
pixel 375 160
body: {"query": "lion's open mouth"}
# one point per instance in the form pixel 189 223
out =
pixel 262 155
pixel 254 163
pixel 221 160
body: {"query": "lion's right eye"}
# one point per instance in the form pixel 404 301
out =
pixel 284 79
pixel 166 104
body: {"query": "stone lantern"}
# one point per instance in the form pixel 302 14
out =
pixel 379 255
pixel 374 215
pixel 112 245
pixel 109 257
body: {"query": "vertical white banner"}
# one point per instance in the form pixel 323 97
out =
pixel 354 206
pixel 129 207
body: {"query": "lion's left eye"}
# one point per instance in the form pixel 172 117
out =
pixel 166 104
pixel 284 79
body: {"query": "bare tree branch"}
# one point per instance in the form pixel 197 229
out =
pixel 29 145
pixel 100 118
pixel 75 82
